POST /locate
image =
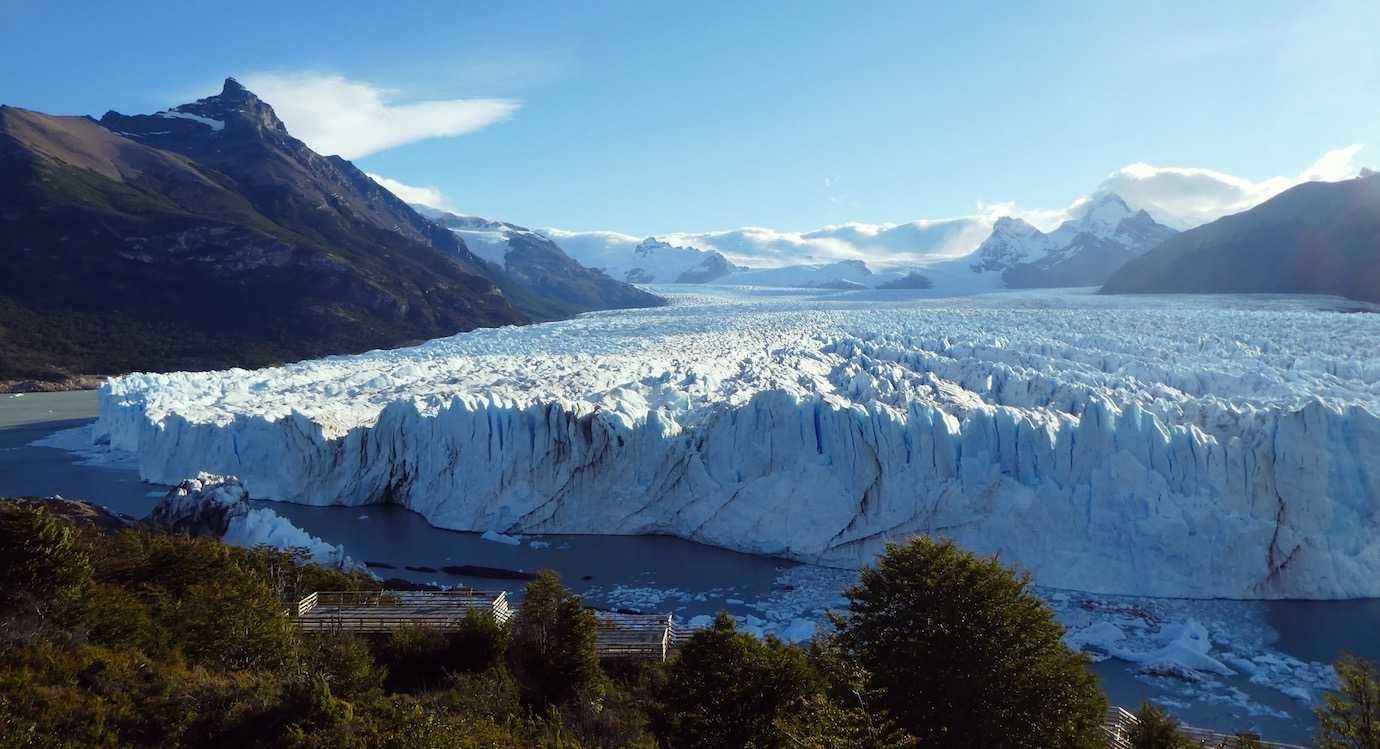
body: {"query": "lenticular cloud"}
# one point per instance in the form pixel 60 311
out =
pixel 335 115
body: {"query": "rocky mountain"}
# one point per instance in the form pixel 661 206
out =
pixel 1083 251
pixel 650 260
pixel 1316 238
pixel 207 236
pixel 540 264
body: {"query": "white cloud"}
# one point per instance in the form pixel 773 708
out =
pixel 1184 197
pixel 425 195
pixel 335 115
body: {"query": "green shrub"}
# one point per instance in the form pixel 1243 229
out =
pixel 479 643
pixel 1156 729
pixel 1350 717
pixel 958 650
pixel 345 661
pixel 117 618
pixel 234 622
pixel 728 688
pixel 414 657
pixel 552 651
pixel 43 570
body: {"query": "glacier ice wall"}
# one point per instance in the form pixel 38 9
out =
pixel 1201 447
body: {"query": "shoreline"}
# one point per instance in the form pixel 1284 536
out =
pixel 65 385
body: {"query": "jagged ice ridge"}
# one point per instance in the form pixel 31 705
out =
pixel 1199 447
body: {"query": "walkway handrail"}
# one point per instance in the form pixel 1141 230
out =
pixel 1120 722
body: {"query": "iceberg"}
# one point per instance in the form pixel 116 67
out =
pixel 217 506
pixel 1182 446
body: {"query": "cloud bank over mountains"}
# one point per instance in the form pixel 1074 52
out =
pixel 1184 197
pixel 1181 197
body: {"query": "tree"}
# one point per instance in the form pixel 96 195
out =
pixel 479 643
pixel 728 688
pixel 960 653
pixel 43 570
pixel 1156 729
pixel 1350 717
pixel 552 651
pixel 843 715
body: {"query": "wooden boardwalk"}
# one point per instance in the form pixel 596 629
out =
pixel 1120 722
pixel 635 635
pixel 650 636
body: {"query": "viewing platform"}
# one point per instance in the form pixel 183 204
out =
pixel 635 636
pixel 620 635
pixel 385 610
pixel 1120 722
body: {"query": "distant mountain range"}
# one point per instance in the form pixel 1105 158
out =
pixel 1316 238
pixel 206 236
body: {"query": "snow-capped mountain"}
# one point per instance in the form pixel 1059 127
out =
pixel 540 264
pixel 656 261
pixel 912 244
pixel 1083 251
pixel 952 256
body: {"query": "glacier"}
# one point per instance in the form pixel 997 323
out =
pixel 1158 446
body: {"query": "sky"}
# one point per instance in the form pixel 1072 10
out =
pixel 658 117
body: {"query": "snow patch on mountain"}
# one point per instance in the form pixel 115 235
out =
pixel 1216 447
pixel 216 125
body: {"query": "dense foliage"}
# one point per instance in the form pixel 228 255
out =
pixel 132 637
pixel 959 652
pixel 1350 717
pixel 1156 729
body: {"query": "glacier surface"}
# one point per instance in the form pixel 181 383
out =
pixel 1180 446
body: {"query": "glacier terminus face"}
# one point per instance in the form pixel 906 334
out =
pixel 1188 446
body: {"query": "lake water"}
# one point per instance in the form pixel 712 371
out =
pixel 669 574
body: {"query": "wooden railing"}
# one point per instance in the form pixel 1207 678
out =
pixel 634 635
pixel 1120 722
pixel 384 610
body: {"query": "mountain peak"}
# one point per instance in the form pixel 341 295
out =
pixel 1107 208
pixel 1013 225
pixel 232 87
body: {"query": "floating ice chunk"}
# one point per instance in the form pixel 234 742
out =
pixel 800 630
pixel 1099 640
pixel 501 538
